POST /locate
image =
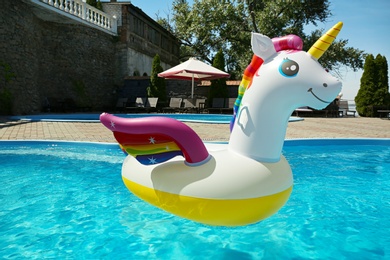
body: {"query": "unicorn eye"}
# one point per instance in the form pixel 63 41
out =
pixel 289 68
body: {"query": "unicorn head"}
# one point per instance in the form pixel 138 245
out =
pixel 286 78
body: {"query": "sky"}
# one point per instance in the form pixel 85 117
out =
pixel 366 27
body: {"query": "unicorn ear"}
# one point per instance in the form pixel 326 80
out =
pixel 262 46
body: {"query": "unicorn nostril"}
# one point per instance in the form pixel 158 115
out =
pixel 325 85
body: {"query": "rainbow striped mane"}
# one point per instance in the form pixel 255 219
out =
pixel 289 42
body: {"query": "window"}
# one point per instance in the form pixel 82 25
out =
pixel 138 26
pixel 153 36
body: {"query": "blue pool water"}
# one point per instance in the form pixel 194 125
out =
pixel 206 118
pixel 66 200
pixel 196 118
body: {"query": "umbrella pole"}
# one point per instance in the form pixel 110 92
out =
pixel 192 88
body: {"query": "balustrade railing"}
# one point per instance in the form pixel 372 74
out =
pixel 86 12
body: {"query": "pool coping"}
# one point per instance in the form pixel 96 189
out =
pixel 68 118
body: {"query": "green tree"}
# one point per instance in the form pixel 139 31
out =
pixel 374 86
pixel 157 86
pixel 92 2
pixel 210 25
pixel 218 88
pixel 96 4
pixel 99 5
pixel 382 95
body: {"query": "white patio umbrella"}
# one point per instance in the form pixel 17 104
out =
pixel 193 69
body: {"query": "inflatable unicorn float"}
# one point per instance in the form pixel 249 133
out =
pixel 248 179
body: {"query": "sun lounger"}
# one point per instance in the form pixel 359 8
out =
pixel 151 104
pixel 200 104
pixel 385 112
pixel 193 105
pixel 229 104
pixel 174 106
pixel 121 104
pixel 139 106
pixel 189 105
pixel 332 110
pixel 217 105
pixel 344 109
pixel 300 111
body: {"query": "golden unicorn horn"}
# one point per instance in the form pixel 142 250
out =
pixel 323 43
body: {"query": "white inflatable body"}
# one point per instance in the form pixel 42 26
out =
pixel 229 189
pixel 247 180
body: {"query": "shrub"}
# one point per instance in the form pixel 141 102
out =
pixel 218 88
pixel 374 86
pixel 157 86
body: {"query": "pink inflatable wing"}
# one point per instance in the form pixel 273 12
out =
pixel 154 140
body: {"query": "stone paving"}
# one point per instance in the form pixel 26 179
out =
pixel 358 127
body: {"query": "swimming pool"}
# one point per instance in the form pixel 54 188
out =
pixel 67 200
pixel 194 118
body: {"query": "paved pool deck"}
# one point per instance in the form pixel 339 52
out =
pixel 347 127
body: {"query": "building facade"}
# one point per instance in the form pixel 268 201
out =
pixel 140 39
pixel 55 57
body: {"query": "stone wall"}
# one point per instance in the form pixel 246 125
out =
pixel 55 60
pixel 59 60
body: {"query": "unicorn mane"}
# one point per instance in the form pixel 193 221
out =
pixel 289 42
